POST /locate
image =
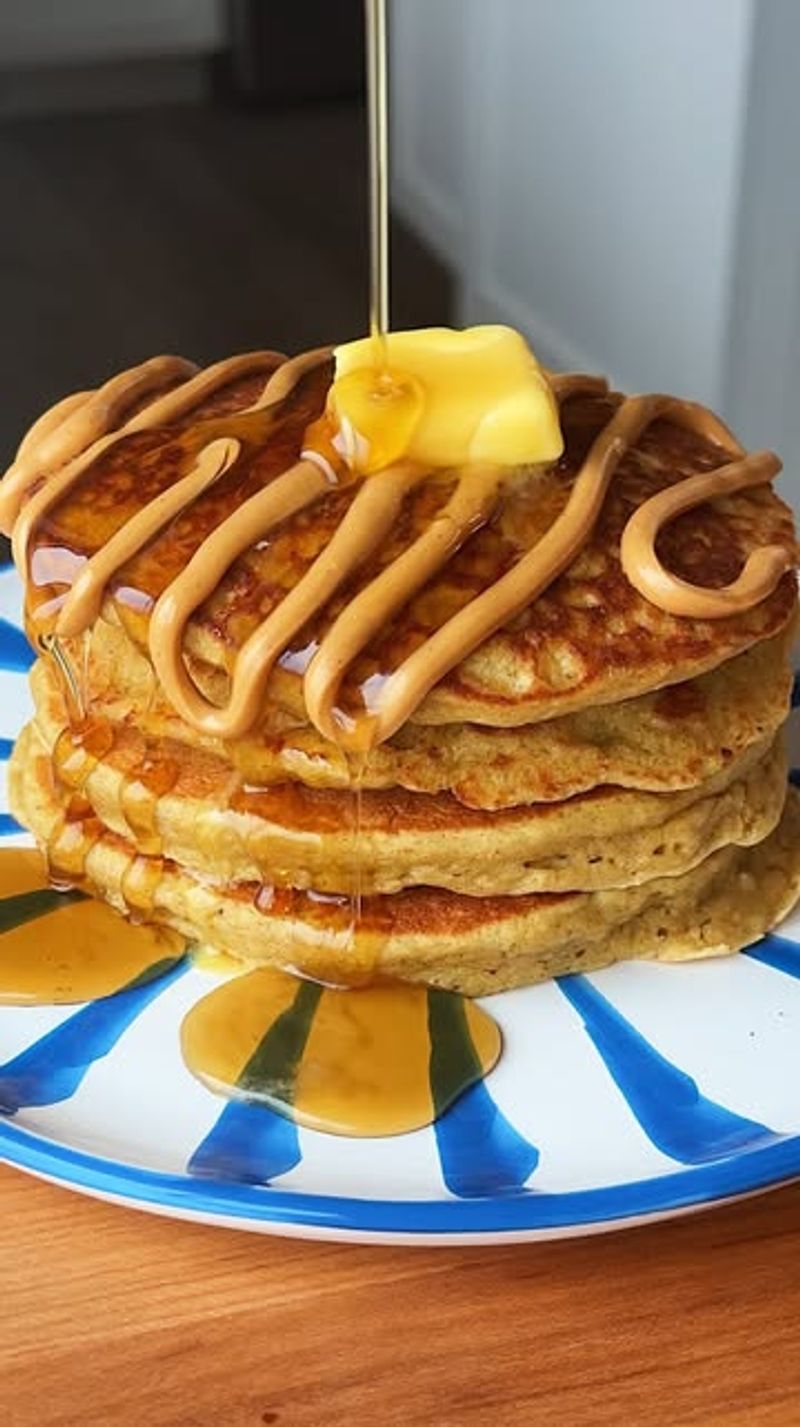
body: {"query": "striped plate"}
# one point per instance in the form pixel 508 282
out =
pixel 637 1093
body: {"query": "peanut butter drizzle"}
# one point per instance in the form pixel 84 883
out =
pixel 71 427
pixel 51 451
pixel 367 522
pixel 83 602
pixel 567 384
pixel 762 569
pixel 404 689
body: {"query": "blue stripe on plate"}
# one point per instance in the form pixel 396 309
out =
pixel 16 653
pixel 521 1212
pixel 777 952
pixel 250 1144
pixel 6 746
pixel 480 1152
pixel 674 1115
pixel 52 1069
pixel 9 825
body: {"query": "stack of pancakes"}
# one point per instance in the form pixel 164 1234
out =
pixel 599 780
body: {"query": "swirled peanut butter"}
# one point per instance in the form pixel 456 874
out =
pixel 762 569
pixel 478 421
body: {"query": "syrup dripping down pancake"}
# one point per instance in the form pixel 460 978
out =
pixel 193 807
pixel 665 740
pixel 590 639
pixel 688 852
pixel 471 944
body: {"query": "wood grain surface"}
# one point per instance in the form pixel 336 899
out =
pixel 110 1318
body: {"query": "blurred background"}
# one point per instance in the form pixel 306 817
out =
pixel 183 176
pixel 619 178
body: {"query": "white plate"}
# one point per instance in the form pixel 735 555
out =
pixel 636 1093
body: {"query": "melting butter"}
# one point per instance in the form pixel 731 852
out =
pixel 445 398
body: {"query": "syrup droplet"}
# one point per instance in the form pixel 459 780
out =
pixel 140 884
pixel 155 776
pixel 378 412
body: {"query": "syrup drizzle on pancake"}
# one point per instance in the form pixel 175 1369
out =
pixel 213 447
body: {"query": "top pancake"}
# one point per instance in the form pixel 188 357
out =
pixel 590 639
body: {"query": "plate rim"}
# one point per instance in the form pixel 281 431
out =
pixel 527 1211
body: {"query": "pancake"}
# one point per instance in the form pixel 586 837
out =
pixel 673 738
pixel 598 779
pixel 290 835
pixel 475 945
pixel 590 639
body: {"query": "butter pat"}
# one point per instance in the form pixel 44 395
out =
pixel 445 398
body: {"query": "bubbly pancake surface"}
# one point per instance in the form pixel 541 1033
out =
pixel 589 639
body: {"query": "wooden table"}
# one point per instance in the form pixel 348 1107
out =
pixel 110 1318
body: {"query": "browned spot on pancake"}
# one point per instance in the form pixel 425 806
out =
pixel 430 911
pixel 235 395
pixel 680 701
